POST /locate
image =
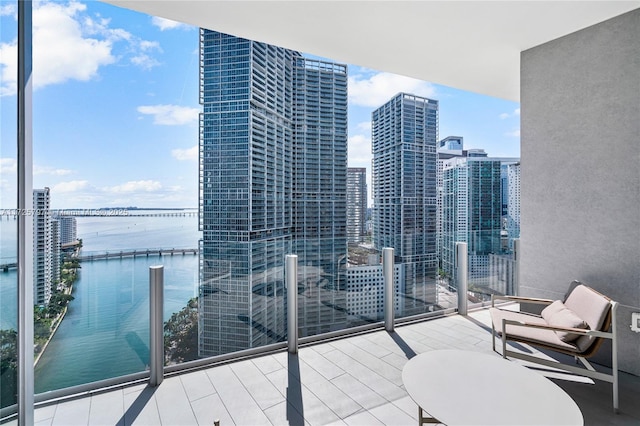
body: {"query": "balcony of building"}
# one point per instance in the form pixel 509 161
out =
pixel 353 380
pixel 579 93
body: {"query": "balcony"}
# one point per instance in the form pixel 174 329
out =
pixel 350 380
pixel 587 227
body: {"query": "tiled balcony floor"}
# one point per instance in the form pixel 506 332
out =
pixel 353 381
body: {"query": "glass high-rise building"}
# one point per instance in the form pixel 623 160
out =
pixel 404 140
pixel 68 229
pixel 513 208
pixel 273 160
pixel 472 212
pixel 356 204
pixel 43 261
pixel 319 193
pixel 451 143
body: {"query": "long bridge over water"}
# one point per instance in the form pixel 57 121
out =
pixel 136 253
pixel 120 255
pixel 13 214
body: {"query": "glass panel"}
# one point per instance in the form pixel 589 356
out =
pixel 265 165
pixel 115 175
pixel 8 197
pixel 105 332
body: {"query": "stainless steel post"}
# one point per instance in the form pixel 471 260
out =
pixel 291 276
pixel 25 219
pixel 156 324
pixel 387 275
pixel 461 277
pixel 515 291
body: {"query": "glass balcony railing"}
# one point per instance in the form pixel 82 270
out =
pixel 8 200
pixel 225 290
pixel 214 306
pixel 8 313
pixel 221 299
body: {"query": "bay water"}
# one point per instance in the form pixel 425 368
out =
pixel 105 332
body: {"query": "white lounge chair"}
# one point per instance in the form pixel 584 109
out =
pixel 576 327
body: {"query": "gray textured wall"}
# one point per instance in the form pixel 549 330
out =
pixel 580 101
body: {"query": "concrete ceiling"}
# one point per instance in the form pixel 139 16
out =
pixel 470 45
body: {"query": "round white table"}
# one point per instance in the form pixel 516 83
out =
pixel 464 388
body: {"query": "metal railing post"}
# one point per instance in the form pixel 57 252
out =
pixel 156 324
pixel 291 276
pixel 24 262
pixel 515 290
pixel 387 274
pixel 461 277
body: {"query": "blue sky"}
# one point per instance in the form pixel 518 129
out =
pixel 115 108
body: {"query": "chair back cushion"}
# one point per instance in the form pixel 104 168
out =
pixel 590 306
pixel 557 314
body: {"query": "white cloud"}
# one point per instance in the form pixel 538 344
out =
pixel 70 45
pixel 167 24
pixel 190 154
pixel 8 165
pixel 150 45
pixel 377 89
pixel 515 113
pixel 359 151
pixel 170 115
pixel 6 185
pixel 7 10
pixel 60 51
pixel 364 126
pixel 46 170
pixel 70 186
pixel 145 61
pixel 514 134
pixel 8 68
pixel 136 186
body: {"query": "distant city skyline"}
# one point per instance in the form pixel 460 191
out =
pixel 116 123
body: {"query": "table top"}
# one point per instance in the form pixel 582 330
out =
pixel 465 387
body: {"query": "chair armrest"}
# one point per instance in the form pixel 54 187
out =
pixel 521 299
pixel 579 331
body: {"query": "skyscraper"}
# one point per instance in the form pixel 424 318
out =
pixel 449 147
pixel 56 253
pixel 451 143
pixel 68 229
pixel 472 212
pixel 42 247
pixel 320 193
pixel 273 159
pixel 404 138
pixel 356 204
pixel 513 208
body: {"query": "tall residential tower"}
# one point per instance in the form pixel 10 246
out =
pixel 273 165
pixel 472 212
pixel 404 137
pixel 356 204
pixel 43 245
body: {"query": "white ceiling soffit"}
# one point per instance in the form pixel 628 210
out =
pixel 470 45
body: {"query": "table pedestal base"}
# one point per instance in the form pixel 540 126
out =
pixel 426 420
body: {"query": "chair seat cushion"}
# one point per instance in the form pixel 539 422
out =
pixel 543 337
pixel 558 315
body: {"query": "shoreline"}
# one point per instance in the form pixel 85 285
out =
pixel 53 332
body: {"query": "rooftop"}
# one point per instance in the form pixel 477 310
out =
pixel 352 380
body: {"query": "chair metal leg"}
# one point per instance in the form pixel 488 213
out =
pixel 493 337
pixel 504 339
